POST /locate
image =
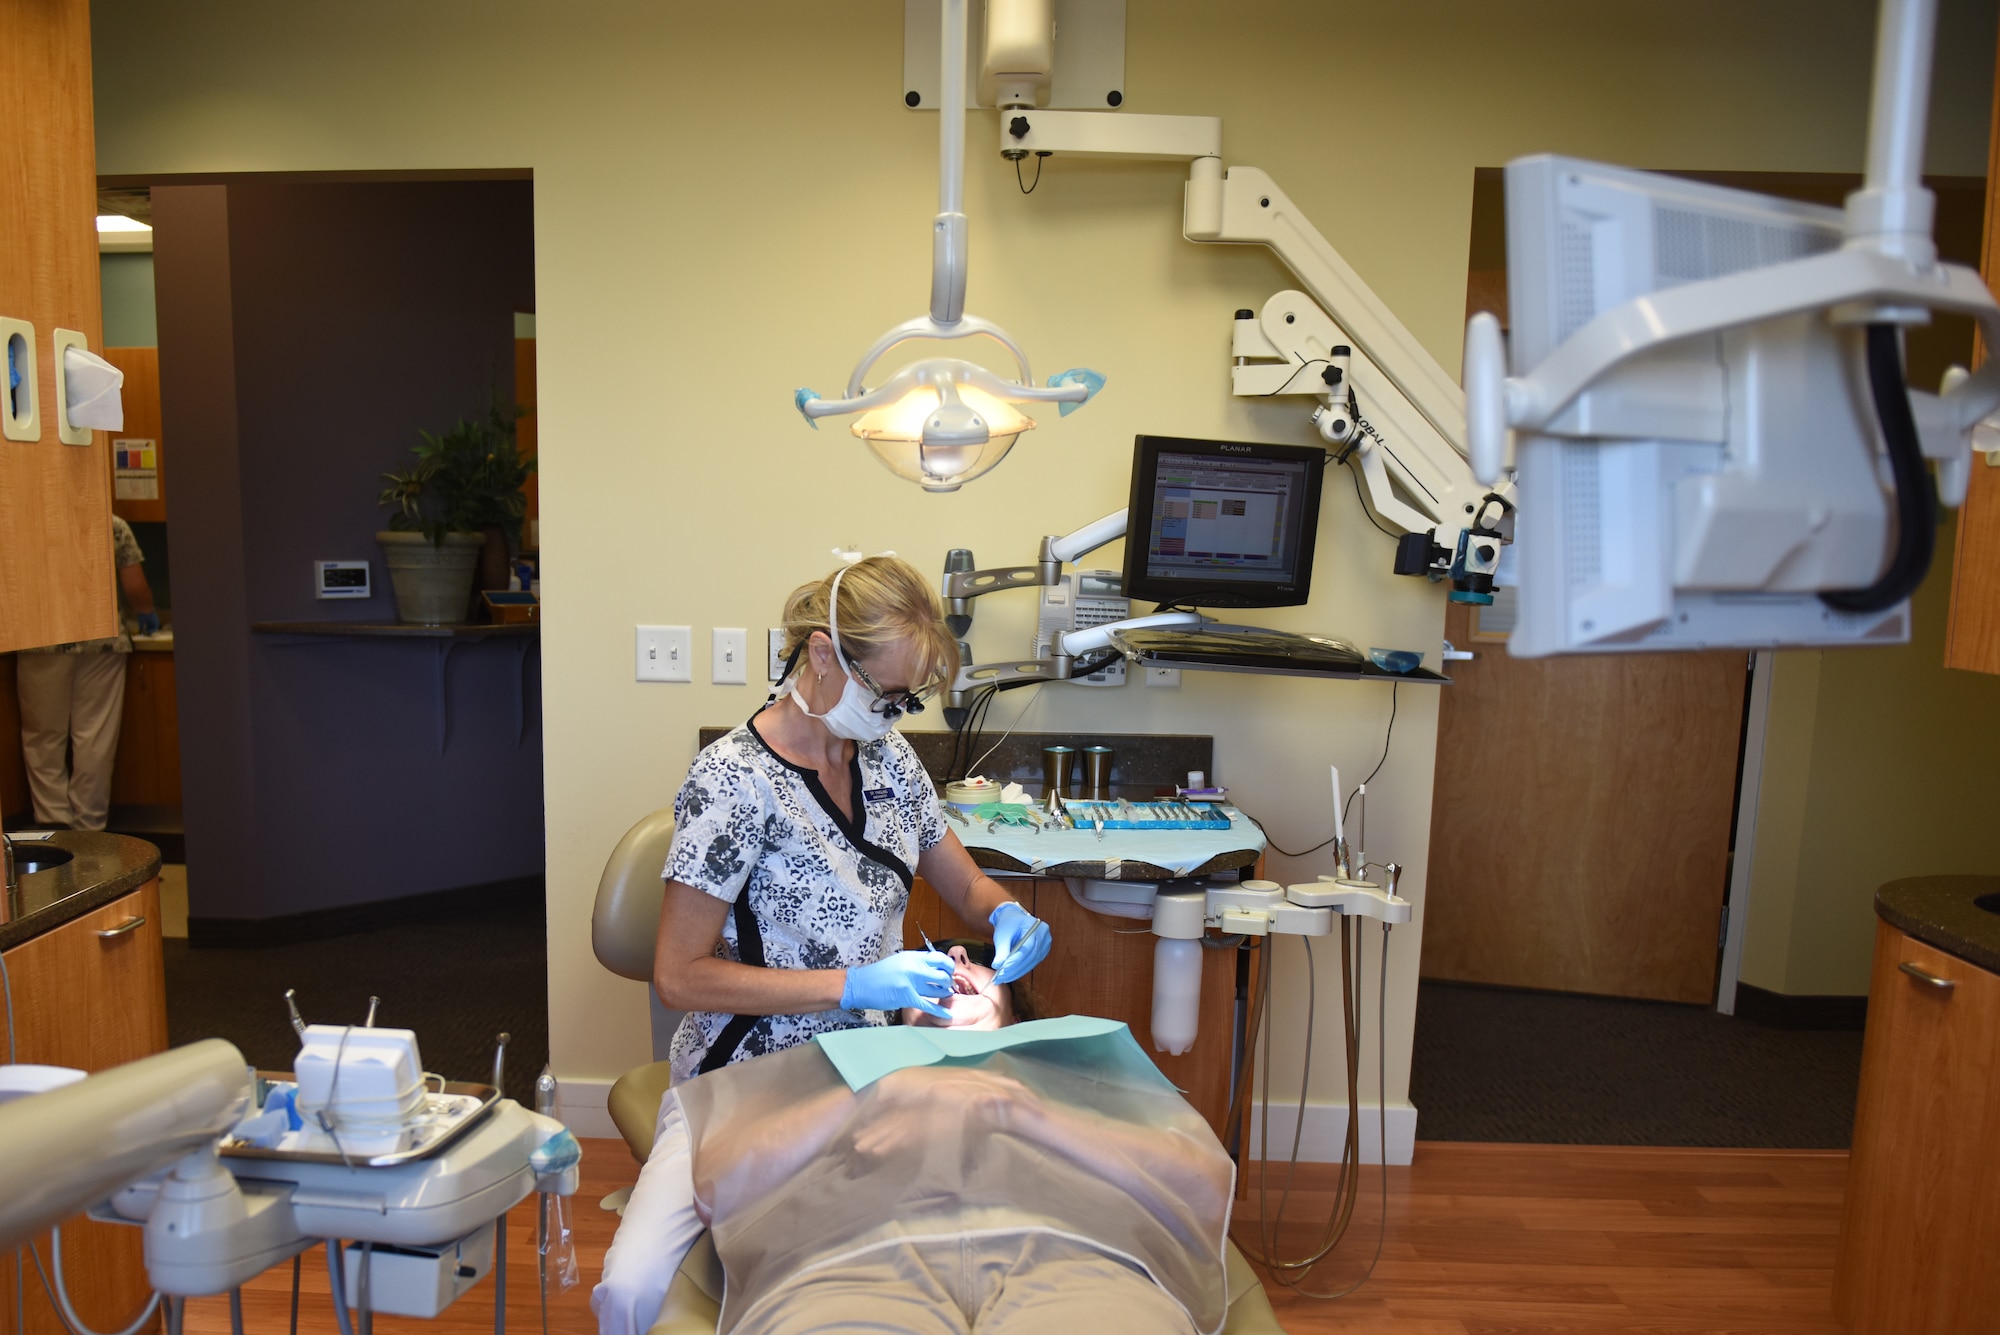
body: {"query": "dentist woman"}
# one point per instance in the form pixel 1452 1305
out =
pixel 798 834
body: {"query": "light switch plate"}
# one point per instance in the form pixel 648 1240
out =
pixel 730 652
pixel 1161 676
pixel 665 653
pixel 777 667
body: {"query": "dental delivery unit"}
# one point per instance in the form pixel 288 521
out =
pixel 405 1177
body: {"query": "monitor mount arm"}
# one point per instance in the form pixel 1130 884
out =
pixel 962 586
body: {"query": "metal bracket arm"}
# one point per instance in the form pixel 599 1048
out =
pixel 1841 278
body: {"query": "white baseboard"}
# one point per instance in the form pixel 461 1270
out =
pixel 582 1107
pixel 1325 1132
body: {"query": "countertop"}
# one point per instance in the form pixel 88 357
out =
pixel 1939 911
pixel 106 867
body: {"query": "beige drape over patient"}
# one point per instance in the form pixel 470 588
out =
pixel 1079 1138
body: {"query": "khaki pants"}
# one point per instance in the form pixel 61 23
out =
pixel 1020 1285
pixel 71 703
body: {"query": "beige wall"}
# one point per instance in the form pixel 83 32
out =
pixel 1878 764
pixel 731 201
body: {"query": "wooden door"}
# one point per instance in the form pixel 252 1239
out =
pixel 1972 639
pixel 91 1002
pixel 147 771
pixel 1580 820
pixel 56 582
pixel 1922 1221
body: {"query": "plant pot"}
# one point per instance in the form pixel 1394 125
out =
pixel 433 583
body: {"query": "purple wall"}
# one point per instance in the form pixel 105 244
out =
pixel 307 333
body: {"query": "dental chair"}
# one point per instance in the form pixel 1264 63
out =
pixel 624 923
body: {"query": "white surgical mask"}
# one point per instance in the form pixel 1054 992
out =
pixel 851 716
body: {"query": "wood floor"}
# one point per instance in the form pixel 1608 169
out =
pixel 1482 1240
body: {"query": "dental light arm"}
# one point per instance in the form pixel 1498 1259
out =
pixel 942 421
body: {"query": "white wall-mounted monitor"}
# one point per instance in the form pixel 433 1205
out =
pixel 1703 494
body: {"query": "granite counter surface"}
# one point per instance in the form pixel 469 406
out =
pixel 1957 914
pixel 106 867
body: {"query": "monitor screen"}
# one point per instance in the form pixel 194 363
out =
pixel 1218 523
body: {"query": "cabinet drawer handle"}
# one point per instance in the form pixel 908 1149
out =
pixel 1924 975
pixel 135 923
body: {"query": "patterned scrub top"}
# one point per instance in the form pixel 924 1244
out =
pixel 825 893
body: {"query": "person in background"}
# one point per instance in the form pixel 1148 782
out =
pixel 72 699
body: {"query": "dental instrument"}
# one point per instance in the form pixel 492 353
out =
pixel 298 1021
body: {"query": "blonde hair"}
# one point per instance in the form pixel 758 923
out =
pixel 884 602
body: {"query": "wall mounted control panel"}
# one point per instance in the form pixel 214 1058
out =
pixel 341 579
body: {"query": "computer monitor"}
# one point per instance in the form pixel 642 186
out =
pixel 1220 523
pixel 1662 517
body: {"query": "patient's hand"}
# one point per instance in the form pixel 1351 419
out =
pixel 906 1105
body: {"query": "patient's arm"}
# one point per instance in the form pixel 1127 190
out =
pixel 907 1104
pixel 1141 1160
pixel 744 1159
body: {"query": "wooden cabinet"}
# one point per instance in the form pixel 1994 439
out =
pixel 56 581
pixel 90 994
pixel 147 771
pixel 1104 966
pixel 1921 1229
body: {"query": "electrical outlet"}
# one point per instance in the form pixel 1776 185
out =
pixel 1159 676
pixel 777 668
pixel 729 650
pixel 666 653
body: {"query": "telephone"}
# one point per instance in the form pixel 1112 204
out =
pixel 1084 599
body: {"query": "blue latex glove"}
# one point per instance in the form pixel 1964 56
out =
pixel 149 623
pixel 1020 942
pixel 906 978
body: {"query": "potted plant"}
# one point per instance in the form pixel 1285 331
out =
pixel 460 500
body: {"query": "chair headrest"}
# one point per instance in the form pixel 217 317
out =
pixel 625 920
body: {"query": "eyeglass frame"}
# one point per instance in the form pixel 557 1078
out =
pixel 889 705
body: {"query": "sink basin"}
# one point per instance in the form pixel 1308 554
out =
pixel 31 858
pixel 1991 903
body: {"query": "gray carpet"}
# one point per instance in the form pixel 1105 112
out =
pixel 457 983
pixel 1496 1064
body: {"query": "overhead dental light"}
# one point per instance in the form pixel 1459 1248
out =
pixel 944 421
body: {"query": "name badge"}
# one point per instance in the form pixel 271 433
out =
pixel 877 794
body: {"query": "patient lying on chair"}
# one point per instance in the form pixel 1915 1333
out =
pixel 977 1176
